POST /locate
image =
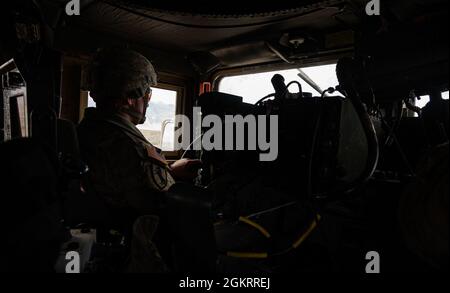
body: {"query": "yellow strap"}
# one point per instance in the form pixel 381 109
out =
pixel 255 225
pixel 247 254
pixel 261 255
pixel 219 223
pixel 305 235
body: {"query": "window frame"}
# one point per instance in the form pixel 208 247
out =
pixel 218 76
pixel 179 107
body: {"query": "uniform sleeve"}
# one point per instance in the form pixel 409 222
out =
pixel 130 177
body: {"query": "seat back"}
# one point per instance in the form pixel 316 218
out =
pixel 30 210
pixel 81 206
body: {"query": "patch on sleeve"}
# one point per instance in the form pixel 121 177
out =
pixel 159 176
pixel 155 157
pixel 156 169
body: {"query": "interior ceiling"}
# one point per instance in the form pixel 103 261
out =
pixel 230 32
pixel 186 32
pixel 207 7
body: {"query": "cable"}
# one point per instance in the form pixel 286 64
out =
pixel 308 231
pixel 248 254
pixel 397 144
pixel 388 141
pixel 255 225
pixel 296 244
pixel 294 82
pixel 347 87
pixel 188 148
pixel 309 190
pixel 273 209
pixel 284 93
pixel 265 98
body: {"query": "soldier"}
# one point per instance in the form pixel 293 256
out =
pixel 126 170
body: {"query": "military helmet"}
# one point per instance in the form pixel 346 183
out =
pixel 120 73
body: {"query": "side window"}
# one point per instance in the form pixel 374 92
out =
pixel 253 87
pixel 422 101
pixel 159 126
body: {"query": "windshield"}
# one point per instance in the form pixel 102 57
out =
pixel 253 87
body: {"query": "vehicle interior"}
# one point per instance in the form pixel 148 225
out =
pixel 362 125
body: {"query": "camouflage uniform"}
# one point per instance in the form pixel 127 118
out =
pixel 125 169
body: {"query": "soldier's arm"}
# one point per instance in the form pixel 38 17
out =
pixel 135 178
pixel 185 169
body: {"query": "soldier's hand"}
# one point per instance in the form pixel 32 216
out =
pixel 185 169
